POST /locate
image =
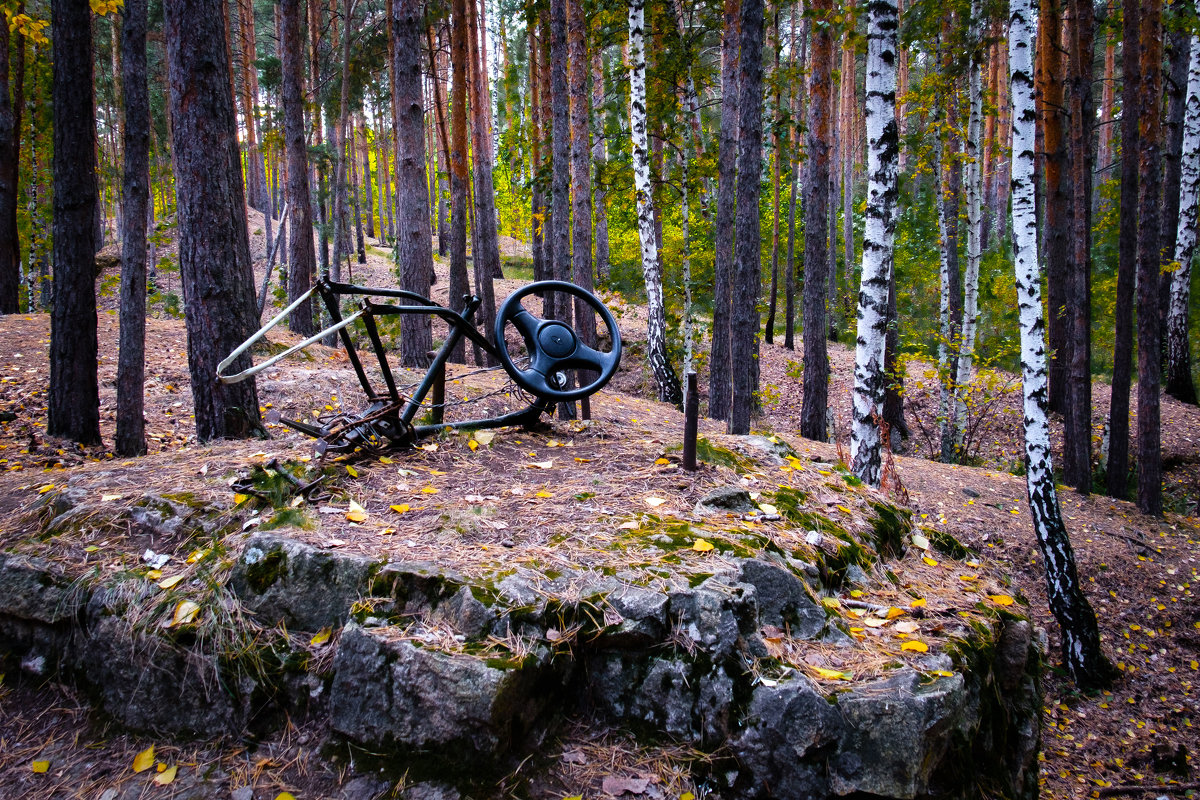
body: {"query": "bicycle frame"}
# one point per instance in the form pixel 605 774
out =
pixel 389 415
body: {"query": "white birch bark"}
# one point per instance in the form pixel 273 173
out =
pixel 1185 241
pixel 974 181
pixel 883 146
pixel 656 334
pixel 1080 637
pixel 945 339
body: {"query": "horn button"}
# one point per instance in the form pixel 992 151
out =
pixel 556 340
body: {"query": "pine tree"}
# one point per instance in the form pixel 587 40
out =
pixel 302 256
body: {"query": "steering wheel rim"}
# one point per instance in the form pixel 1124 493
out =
pixel 554 345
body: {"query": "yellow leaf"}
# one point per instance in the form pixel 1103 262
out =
pixel 874 622
pixel 894 612
pixel 915 646
pixel 930 561
pixel 356 513
pixel 843 509
pixel 351 471
pixel 661 461
pixel 767 508
pixel 321 638
pixel 429 490
pixel 429 448
pixel 474 445
pixel 907 626
pixel 485 437
pixel 185 612
pixel 196 556
pixel 166 776
pixel 856 593
pixel 385 460
pixel 285 796
pixel 941 673
pixel 154 574
pixel 547 464
pixel 40 766
pixel 918 603
pixel 1194 664
pixel 46 488
pixel 832 674
pixel 543 493
pixel 399 508
pixel 167 583
pixel 144 760
pixel 238 499
pixel 655 501
pixel 437 472
pixel 108 498
pixel 1001 599
pixel 687 796
pixel 830 602
pixel 702 545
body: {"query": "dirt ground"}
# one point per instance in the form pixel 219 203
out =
pixel 1137 739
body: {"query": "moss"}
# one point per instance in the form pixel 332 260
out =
pixel 947 545
pixel 289 518
pixel 264 573
pixel 714 454
pixel 890 526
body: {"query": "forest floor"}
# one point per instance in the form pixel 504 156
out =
pixel 1139 573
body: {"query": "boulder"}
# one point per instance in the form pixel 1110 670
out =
pixel 783 600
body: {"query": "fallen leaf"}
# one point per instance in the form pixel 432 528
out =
pixel 356 513
pixel 399 508
pixel 1001 599
pixel 702 545
pixel 615 786
pixel 767 508
pixel 628 526
pixel 931 562
pixel 474 445
pixel 543 493
pixel 144 760
pixel 655 502
pixel 920 541
pixel 351 471
pixel 915 646
pixel 894 612
pixel 907 626
pixel 874 622
pixel 941 673
pixel 830 602
pixel 429 448
pixel 485 437
pixel 40 766
pixel 843 509
pixel 185 612
pixel 108 498
pixel 918 603
pixel 321 637
pixel 385 460
pixel 167 583
pixel 289 795
pixel 166 776
pixel 548 464
pixel 831 674
pixel 429 490
pixel 661 461
pixel 238 499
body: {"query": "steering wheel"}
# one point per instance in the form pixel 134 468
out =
pixel 555 346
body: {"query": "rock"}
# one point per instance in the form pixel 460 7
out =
pixel 897 731
pixel 389 694
pixel 856 576
pixel 431 790
pixel 416 586
pixel 243 793
pixel 1012 653
pixel 788 732
pixel 782 599
pixel 666 698
pixel 775 449
pixel 364 787
pixel 306 589
pixel 644 617
pixel 34 589
pixel 465 614
pixel 713 619
pixel 726 498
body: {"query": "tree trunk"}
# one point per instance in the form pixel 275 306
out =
pixel 1080 637
pixel 1052 110
pixel 776 158
pixel 256 176
pixel 878 240
pixel 459 283
pixel 599 159
pixel 302 257
pixel 1077 426
pixel 1149 259
pixel 747 276
pixel 537 205
pixel 355 193
pixel 74 402
pixel 816 221
pixel 130 438
pixel 214 245
pixel 560 158
pixel 10 138
pixel 720 379
pixel 948 337
pixel 581 176
pixel 414 228
pixel 799 53
pixel 1118 424
pixel 367 193
pixel 1175 85
pixel 665 380
pixel 486 246
pixel 1179 366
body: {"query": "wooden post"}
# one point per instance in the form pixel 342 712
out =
pixel 691 415
pixel 437 401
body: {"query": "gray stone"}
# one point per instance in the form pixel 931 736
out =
pixel 283 580
pixel 774 448
pixel 465 614
pixel 243 793
pixel 431 790
pixel 364 787
pixel 783 600
pixel 417 586
pixel 788 732
pixel 857 576
pixel 34 589
pixel 713 617
pixel 644 617
pixel 666 698
pixel 389 694
pixel 897 732
pixel 727 498
pixel 1012 653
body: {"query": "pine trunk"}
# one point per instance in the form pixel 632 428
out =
pixel 130 438
pixel 256 175
pixel 486 246
pixel 214 245
pixel 537 205
pixel 414 230
pixel 1052 109
pixel 599 158
pixel 666 382
pixel 459 284
pixel 560 159
pixel 1179 367
pixel 367 193
pixel 74 402
pixel 813 420
pixel 743 322
pixel 10 247
pixel 581 175
pixel 878 240
pixel 302 257
pixel 776 167
pixel 720 388
pixel 1149 260
pixel 1080 637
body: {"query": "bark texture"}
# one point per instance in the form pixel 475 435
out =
pixel 1179 366
pixel 10 257
pixel 459 285
pixel 720 388
pixel 214 245
pixel 883 152
pixel 74 403
pixel 302 255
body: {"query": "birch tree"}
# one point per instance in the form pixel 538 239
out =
pixel 1080 637
pixel 1179 368
pixel 665 378
pixel 883 150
